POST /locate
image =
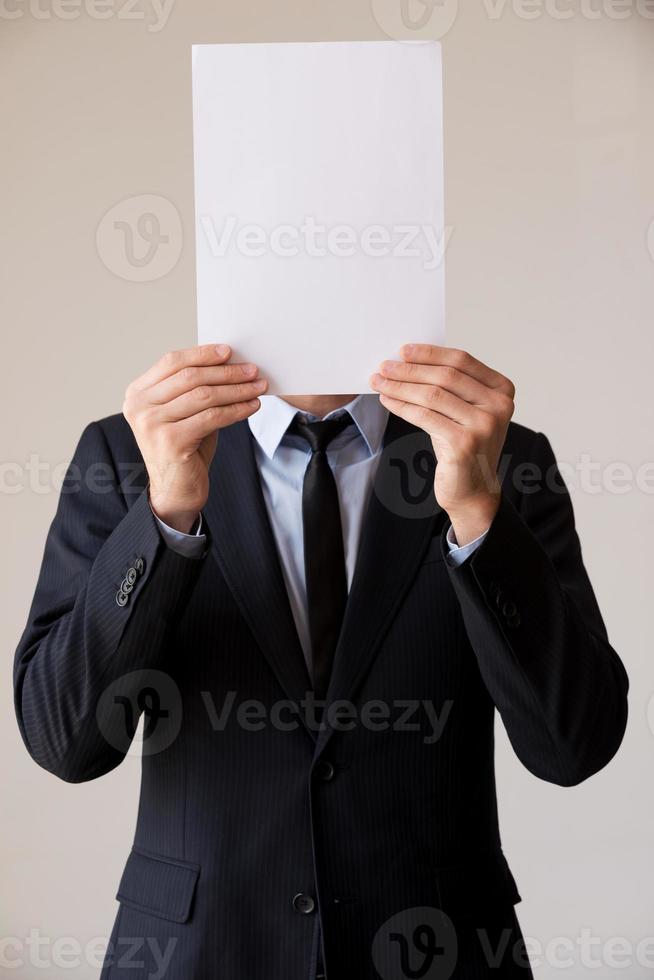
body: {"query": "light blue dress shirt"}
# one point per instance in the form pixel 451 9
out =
pixel 282 459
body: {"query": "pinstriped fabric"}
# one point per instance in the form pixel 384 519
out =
pixel 244 803
pixel 79 638
pixel 559 737
pixel 158 885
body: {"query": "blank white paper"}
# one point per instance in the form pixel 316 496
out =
pixel 319 206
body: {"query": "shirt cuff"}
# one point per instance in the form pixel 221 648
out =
pixel 458 554
pixel 191 545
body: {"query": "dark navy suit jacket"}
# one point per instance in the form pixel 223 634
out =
pixel 253 825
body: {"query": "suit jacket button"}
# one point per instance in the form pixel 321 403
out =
pixel 130 576
pixel 126 586
pixel 509 609
pixel 139 565
pixel 304 904
pixel 122 598
pixel 324 771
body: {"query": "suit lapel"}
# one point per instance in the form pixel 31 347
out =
pixel 401 517
pixel 244 547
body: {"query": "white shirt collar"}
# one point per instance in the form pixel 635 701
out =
pixel 269 424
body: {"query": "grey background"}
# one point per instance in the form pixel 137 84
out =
pixel 549 158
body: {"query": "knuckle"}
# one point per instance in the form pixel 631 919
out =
pixel 435 395
pixel 212 414
pixel 203 393
pixel 187 375
pixel 506 406
pixel 229 373
pixel 170 359
pixel 460 358
pixel 450 373
pixel 510 389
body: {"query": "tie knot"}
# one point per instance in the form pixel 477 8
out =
pixel 319 434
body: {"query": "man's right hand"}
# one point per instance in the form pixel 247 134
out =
pixel 175 411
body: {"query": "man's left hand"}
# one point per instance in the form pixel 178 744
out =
pixel 465 407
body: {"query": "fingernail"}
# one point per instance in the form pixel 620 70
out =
pixel 259 385
pixel 222 350
pixel 377 379
pixel 408 349
pixel 390 365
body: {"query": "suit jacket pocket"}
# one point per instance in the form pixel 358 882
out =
pixel 477 889
pixel 161 886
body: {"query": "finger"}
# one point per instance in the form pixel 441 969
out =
pixel 192 376
pixel 176 360
pixel 217 417
pixel 211 396
pixel 461 360
pixel 449 378
pixel 430 397
pixel 430 422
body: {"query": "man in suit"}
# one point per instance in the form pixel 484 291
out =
pixel 317 604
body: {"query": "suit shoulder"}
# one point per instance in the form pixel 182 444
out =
pixel 118 435
pixel 521 440
pixel 111 440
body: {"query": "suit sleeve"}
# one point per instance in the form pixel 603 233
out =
pixel 535 627
pixel 107 597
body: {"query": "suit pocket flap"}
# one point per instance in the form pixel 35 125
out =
pixel 158 885
pixel 476 887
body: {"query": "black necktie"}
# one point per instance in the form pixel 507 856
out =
pixel 324 556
